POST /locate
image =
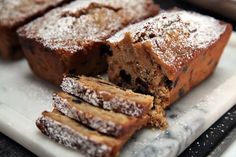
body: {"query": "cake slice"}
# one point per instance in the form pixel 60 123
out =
pixel 71 39
pixel 167 55
pixel 74 135
pixel 106 122
pixel 108 96
pixel 15 13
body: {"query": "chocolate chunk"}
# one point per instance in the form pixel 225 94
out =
pixel 181 92
pixel 142 86
pixel 170 84
pixel 152 35
pixel 174 83
pixel 125 76
pixel 105 51
pixel 185 68
pixel 141 82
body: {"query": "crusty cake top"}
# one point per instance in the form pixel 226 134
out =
pixel 175 37
pixel 74 26
pixel 15 12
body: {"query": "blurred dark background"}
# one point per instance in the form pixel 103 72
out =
pixel 9 148
pixel 220 9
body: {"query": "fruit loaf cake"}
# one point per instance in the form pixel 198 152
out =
pixel 108 96
pixel 71 39
pixel 74 135
pixel 15 13
pixel 106 122
pixel 167 55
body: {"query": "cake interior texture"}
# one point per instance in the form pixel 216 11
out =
pixel 167 55
pixel 108 96
pixel 106 122
pixel 70 133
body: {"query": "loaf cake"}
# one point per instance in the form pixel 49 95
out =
pixel 106 122
pixel 74 135
pixel 108 96
pixel 15 13
pixel 71 39
pixel 167 55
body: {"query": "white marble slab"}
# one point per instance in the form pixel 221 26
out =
pixel 23 97
pixel 231 151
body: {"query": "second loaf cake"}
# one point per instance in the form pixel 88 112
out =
pixel 16 13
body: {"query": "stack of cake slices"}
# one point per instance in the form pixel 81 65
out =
pixel 94 116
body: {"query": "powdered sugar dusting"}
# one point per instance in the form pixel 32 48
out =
pixel 14 11
pixel 94 121
pixel 116 103
pixel 71 138
pixel 81 23
pixel 176 36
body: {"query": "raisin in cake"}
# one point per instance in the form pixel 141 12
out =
pixel 108 96
pixel 74 135
pixel 15 13
pixel 106 122
pixel 167 55
pixel 71 39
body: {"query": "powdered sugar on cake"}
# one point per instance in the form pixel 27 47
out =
pixel 81 23
pixel 176 36
pixel 14 11
pixel 95 122
pixel 116 103
pixel 65 135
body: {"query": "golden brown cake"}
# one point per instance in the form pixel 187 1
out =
pixel 74 135
pixel 108 96
pixel 15 13
pixel 71 39
pixel 106 122
pixel 167 55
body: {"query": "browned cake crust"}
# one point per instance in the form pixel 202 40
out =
pixel 74 135
pixel 103 121
pixel 167 55
pixel 15 13
pixel 108 96
pixel 71 39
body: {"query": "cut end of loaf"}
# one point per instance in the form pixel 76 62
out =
pixel 167 55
